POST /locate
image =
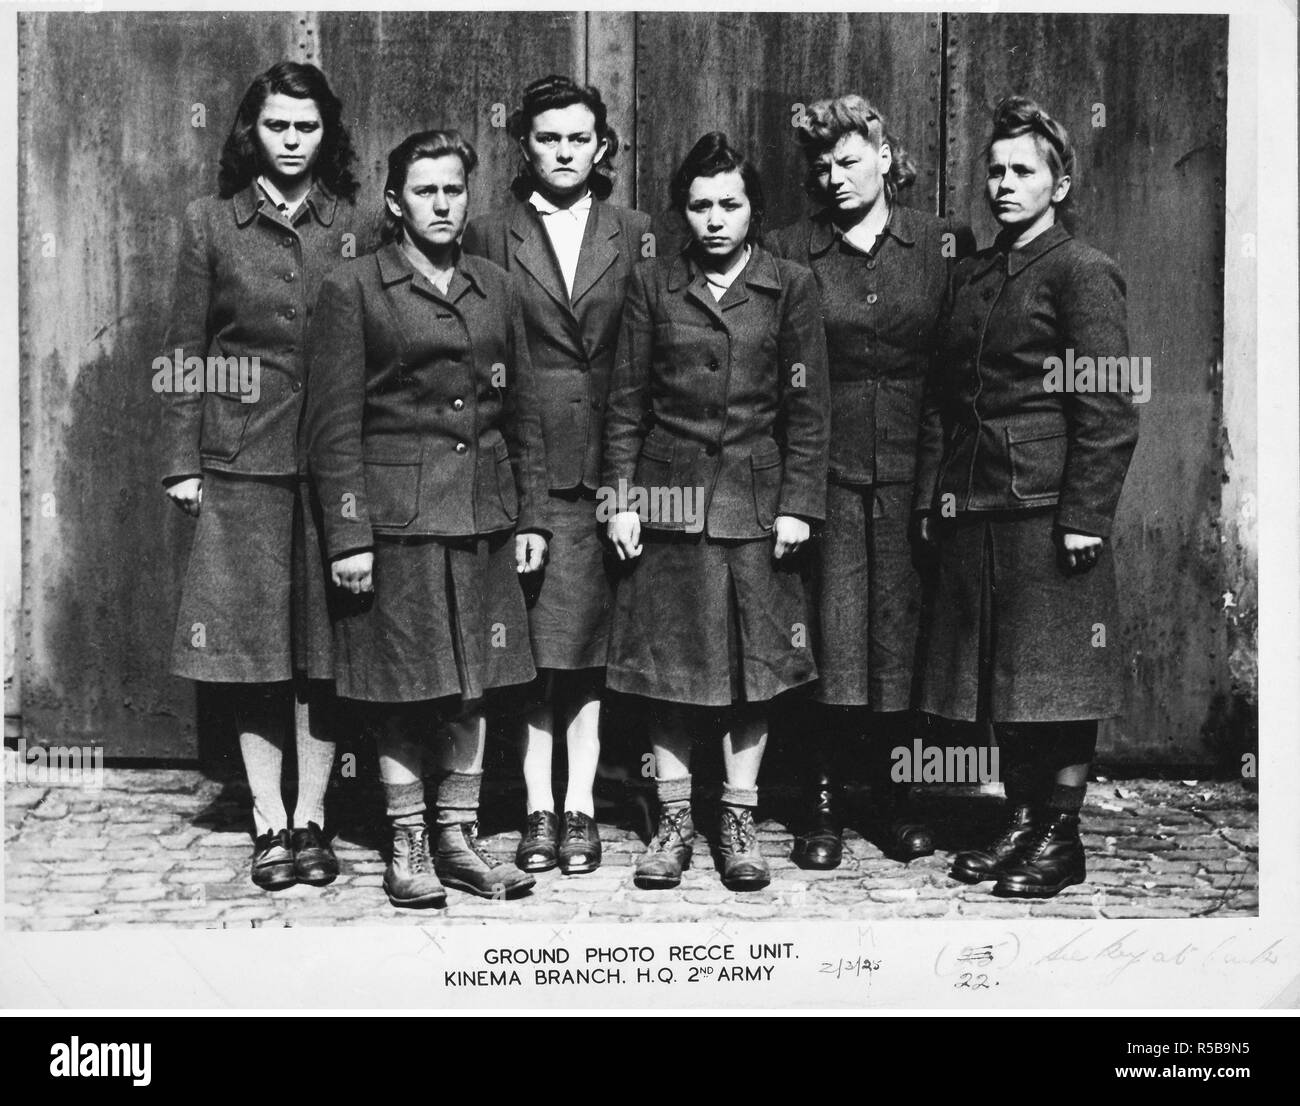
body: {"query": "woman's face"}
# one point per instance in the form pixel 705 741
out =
pixel 1021 191
pixel 718 213
pixel 562 147
pixel 289 131
pixel 434 201
pixel 851 175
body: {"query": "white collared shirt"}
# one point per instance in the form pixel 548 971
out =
pixel 720 282
pixel 277 198
pixel 565 227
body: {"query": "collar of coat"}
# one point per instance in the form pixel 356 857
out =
pixel 252 199
pixel 395 266
pixel 759 273
pixel 1016 260
pixel 823 233
pixel 532 249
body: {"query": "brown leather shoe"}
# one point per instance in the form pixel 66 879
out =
pixel 580 848
pixel 463 863
pixel 539 844
pixel 410 880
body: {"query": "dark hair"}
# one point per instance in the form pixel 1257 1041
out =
pixel 827 121
pixel 241 156
pixel 1017 115
pixel 547 94
pixel 406 153
pixel 712 155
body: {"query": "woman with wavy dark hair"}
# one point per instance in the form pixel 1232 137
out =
pixel 253 614
pixel 882 270
pixel 1021 480
pixel 718 422
pixel 570 253
pixel 426 447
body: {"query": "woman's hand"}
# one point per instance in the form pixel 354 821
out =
pixel 354 572
pixel 530 551
pixel 790 534
pixel 187 494
pixel 624 532
pixel 1080 550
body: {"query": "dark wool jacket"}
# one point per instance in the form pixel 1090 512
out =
pixel 571 342
pixel 882 317
pixel 421 411
pixel 729 396
pixel 246 285
pixel 998 438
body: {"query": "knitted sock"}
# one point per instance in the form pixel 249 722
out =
pixel 739 796
pixel 458 795
pixel 1065 799
pixel 674 794
pixel 405 803
pixel 315 763
pixel 263 761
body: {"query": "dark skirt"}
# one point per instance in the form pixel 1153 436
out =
pixel 867 599
pixel 253 606
pixel 1014 636
pixel 446 617
pixel 570 601
pixel 710 623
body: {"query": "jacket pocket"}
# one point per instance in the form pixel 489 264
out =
pixel 506 489
pixel 1037 462
pixel 655 480
pixel 225 421
pixel 765 462
pixel 392 492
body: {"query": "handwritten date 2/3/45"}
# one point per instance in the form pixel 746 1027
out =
pixel 974 981
pixel 857 967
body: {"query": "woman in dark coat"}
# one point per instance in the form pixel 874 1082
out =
pixel 715 465
pixel 253 611
pixel 882 270
pixel 570 253
pixel 425 446
pixel 1021 498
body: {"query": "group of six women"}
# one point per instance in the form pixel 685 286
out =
pixel 408 517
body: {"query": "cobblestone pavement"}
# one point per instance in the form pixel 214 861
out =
pixel 171 847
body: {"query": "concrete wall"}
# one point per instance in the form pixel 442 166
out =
pixel 102 552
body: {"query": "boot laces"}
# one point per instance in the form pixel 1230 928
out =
pixel 741 834
pixel 470 833
pixel 536 828
pixel 671 825
pixel 417 840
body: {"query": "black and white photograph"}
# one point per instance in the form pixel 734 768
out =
pixel 789 485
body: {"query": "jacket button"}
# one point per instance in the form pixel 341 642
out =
pixel 287 240
pixel 289 276
pixel 871 264
pixel 289 312
pixel 713 363
pixel 461 447
pixel 457 404
pixel 872 297
pixel 297 385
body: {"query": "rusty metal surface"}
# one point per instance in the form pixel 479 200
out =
pixel 1150 194
pixel 399 72
pixel 746 74
pixel 108 158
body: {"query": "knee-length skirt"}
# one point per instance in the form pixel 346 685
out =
pixel 570 601
pixel 1014 636
pixel 446 617
pixel 710 622
pixel 867 599
pixel 254 605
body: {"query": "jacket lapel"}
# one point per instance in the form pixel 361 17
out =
pixel 599 249
pixel 533 253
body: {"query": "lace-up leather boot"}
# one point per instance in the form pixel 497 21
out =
pixel 977 865
pixel 1051 861
pixel 410 879
pixel 744 868
pixel 669 852
pixel 464 864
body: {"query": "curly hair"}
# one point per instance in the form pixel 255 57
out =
pixel 547 94
pixel 1017 115
pixel 406 153
pixel 712 155
pixel 827 121
pixel 241 156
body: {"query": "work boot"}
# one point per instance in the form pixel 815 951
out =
pixel 410 879
pixel 743 867
pixel 1048 864
pixel 977 865
pixel 464 864
pixel 821 845
pixel 898 829
pixel 669 852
